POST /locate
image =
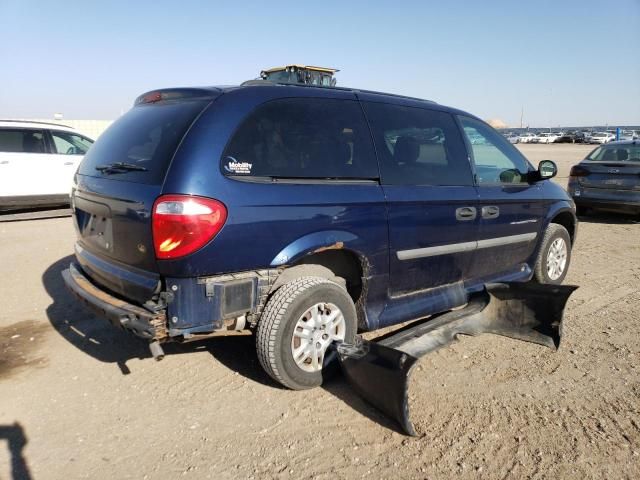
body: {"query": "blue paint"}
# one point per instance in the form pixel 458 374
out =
pixel 277 224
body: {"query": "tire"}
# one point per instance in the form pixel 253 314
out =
pixel 291 306
pixel 555 237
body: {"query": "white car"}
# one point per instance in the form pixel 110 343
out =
pixel 628 135
pixel 37 163
pixel 602 137
pixel 512 137
pixel 525 137
pixel 544 138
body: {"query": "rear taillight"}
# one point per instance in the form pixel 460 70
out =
pixel 578 171
pixel 182 224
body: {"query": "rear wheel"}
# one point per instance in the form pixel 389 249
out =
pixel 554 257
pixel 299 322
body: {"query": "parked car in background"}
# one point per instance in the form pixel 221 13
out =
pixel 608 178
pixel 579 137
pixel 602 137
pixel 37 163
pixel 568 137
pixel 628 135
pixel 302 214
pixel 526 137
pixel 512 137
pixel 544 137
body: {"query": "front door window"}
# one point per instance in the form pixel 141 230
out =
pixel 496 160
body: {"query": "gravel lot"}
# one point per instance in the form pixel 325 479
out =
pixel 82 400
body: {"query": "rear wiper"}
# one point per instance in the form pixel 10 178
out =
pixel 120 167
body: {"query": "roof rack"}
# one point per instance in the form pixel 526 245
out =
pixel 301 67
pixel 301 74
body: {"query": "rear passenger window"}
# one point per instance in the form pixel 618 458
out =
pixel 303 138
pixel 22 141
pixel 417 146
pixel 496 160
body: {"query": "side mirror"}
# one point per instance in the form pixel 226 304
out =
pixel 546 169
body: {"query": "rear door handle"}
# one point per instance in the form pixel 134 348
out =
pixel 4 162
pixel 490 211
pixel 68 163
pixel 464 214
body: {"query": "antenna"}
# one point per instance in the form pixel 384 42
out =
pixel 521 115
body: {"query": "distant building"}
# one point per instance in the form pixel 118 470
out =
pixel 497 123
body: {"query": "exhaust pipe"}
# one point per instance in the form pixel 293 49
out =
pixel 156 350
pixel 379 371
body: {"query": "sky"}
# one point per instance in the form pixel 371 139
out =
pixel 569 63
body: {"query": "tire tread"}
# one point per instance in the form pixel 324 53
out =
pixel 540 266
pixel 272 317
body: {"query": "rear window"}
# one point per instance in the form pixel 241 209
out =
pixel 146 136
pixel 616 153
pixel 305 138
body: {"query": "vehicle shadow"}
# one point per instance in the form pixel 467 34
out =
pixel 16 440
pixel 99 339
pixel 609 218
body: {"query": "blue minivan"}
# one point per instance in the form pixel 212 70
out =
pixel 303 215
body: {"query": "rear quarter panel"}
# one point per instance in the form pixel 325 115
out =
pixel 270 221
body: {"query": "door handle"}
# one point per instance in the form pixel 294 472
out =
pixel 490 211
pixel 464 214
pixel 68 163
pixel 4 162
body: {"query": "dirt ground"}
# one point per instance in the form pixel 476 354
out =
pixel 79 399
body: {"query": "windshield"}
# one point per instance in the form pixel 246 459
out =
pixel 146 137
pixel 616 153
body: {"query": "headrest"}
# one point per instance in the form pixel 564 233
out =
pixel 407 150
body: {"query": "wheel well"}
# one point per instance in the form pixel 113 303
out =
pixel 567 220
pixel 328 264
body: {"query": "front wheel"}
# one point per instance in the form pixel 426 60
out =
pixel 299 322
pixel 554 257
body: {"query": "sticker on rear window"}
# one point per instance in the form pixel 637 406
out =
pixel 236 167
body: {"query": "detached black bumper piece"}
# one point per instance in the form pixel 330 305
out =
pixel 137 320
pixel 379 371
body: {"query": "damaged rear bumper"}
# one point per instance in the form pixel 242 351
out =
pixel 137 320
